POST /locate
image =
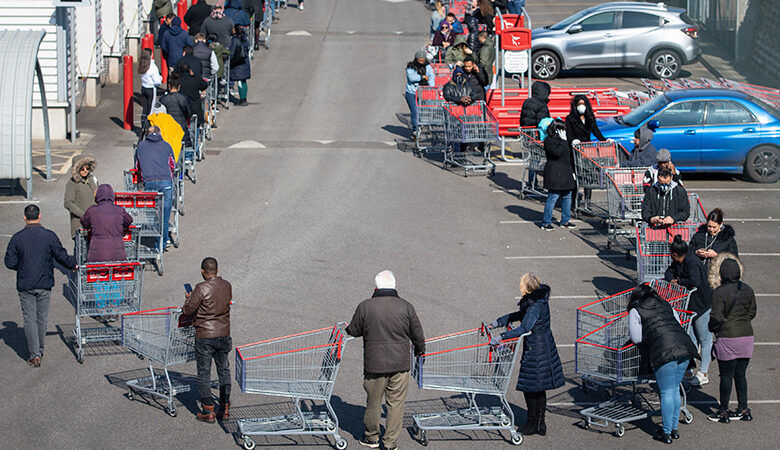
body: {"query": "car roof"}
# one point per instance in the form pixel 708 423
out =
pixel 693 93
pixel 657 7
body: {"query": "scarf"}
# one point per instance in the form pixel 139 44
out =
pixel 217 14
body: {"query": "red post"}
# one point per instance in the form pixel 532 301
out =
pixel 194 2
pixel 148 42
pixel 181 10
pixel 164 70
pixel 127 65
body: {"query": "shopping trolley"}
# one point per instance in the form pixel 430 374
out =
pixel 625 192
pixel 222 87
pixel 698 214
pixel 146 209
pixel 300 366
pixel 466 362
pixel 591 160
pixel 265 24
pixel 158 335
pixel 133 181
pixel 466 128
pixel 607 353
pixel 105 289
pixel 131 240
pixel 430 119
pixel 532 149
pixel 442 74
pixel 209 109
pixel 189 156
pixel 652 248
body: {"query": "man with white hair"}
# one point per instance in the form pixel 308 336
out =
pixel 387 323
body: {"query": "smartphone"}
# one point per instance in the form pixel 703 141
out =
pixel 188 288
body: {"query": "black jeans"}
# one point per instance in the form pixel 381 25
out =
pixel 218 349
pixel 733 370
pixel 536 403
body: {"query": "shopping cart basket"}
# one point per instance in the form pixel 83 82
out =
pixel 652 248
pixel 698 214
pixel 209 108
pixel 532 148
pixel 157 335
pixel 177 201
pixel 591 160
pixel 467 128
pixel 466 362
pixel 133 181
pixel 189 156
pixel 625 192
pixel 146 208
pixel 607 353
pixel 300 366
pixel 131 240
pixel 105 289
pixel 442 74
pixel 265 24
pixel 430 119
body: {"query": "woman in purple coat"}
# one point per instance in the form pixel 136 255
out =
pixel 107 223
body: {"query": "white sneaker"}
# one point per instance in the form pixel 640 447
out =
pixel 300 6
pixel 700 379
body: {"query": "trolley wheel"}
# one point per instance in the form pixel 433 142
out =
pixel 80 356
pixel 330 426
pixel 505 422
pixel 171 411
pixel 341 444
pixel 620 430
pixel 424 438
pixel 249 444
pixel 267 44
pixel 176 241
pixel 687 416
pixel 585 425
pixel 130 395
pixel 493 172
pixel 609 244
pixel 160 268
pixel 517 439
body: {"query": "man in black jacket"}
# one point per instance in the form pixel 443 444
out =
pixel 177 104
pixel 31 253
pixel 191 61
pixel 666 202
pixel 196 15
pixel 387 323
pixel 192 85
pixel 535 108
pixel 475 77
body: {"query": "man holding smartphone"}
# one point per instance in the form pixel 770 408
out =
pixel 209 306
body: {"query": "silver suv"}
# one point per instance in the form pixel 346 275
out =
pixel 625 34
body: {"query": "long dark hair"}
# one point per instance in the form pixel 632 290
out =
pixel 642 293
pixel 589 117
pixel 555 126
pixel 678 246
pixel 420 68
pixel 145 61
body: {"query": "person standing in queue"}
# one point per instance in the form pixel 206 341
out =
pixel 714 238
pixel 558 175
pixel 580 125
pixel 154 158
pixel 80 190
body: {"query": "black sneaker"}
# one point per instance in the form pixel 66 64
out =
pixel 675 434
pixel 741 415
pixel 548 227
pixel 720 416
pixel 368 444
pixel 568 225
pixel 660 436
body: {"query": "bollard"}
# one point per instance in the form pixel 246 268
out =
pixel 148 42
pixel 181 10
pixel 194 2
pixel 127 65
pixel 164 70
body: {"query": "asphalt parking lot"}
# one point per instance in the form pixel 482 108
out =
pixel 304 196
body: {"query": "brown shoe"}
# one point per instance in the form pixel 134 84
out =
pixel 206 414
pixel 224 411
pixel 34 362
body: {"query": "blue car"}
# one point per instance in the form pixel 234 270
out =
pixel 708 130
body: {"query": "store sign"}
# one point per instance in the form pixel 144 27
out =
pixel 516 62
pixel 516 39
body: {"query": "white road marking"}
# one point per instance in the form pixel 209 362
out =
pixel 762 344
pixel 734 189
pixel 526 222
pixel 390 143
pixel 299 33
pixel 397 32
pixel 565 256
pixel 324 142
pixel 247 144
pixel 693 402
pixel 594 297
pixel 759 254
pixel 350 32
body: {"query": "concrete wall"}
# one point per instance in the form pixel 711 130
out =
pixel 764 49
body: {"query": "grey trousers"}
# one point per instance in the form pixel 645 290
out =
pixel 35 311
pixel 393 387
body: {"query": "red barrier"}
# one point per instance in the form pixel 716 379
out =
pixel 181 10
pixel 127 65
pixel 148 42
pixel 164 70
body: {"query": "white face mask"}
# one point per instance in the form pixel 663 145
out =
pixel 562 134
pixel 581 109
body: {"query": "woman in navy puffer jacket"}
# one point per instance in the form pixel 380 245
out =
pixel 540 367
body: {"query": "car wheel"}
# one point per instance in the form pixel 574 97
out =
pixel 762 164
pixel 546 65
pixel 665 64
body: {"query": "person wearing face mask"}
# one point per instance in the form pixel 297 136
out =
pixel 663 160
pixel 714 238
pixel 558 175
pixel 687 270
pixel 666 202
pixel 580 124
pixel 644 153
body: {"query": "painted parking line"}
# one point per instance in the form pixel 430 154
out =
pixel 532 222
pixel 735 190
pixel 758 344
pixel 613 256
pixel 693 402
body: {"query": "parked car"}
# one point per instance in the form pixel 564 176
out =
pixel 708 130
pixel 625 34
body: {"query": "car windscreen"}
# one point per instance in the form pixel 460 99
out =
pixel 645 110
pixel 765 106
pixel 571 19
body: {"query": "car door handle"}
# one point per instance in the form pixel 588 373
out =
pixel 607 35
pixel 690 131
pixel 749 130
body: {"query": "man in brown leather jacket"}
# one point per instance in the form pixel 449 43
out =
pixel 387 323
pixel 209 307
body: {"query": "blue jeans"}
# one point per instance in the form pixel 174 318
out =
pixel 552 198
pixel 412 102
pixel 701 335
pixel 669 376
pixel 165 187
pixel 514 6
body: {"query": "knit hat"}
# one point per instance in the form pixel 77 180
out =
pixel 420 54
pixel 663 155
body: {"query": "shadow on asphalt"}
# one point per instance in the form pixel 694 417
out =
pixel 187 399
pixel 13 336
pixel 92 349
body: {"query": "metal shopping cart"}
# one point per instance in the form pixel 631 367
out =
pixel 146 208
pixel 533 151
pixel 430 119
pixel 652 248
pixel 105 289
pixel 591 160
pixel 466 362
pixel 191 155
pixel 300 366
pixel 158 335
pixel 698 214
pixel 608 354
pixel 265 24
pixel 209 109
pixel 133 181
pixel 442 73
pixel 625 192
pixel 131 240
pixel 466 129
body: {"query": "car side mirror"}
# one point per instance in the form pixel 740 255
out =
pixel 653 124
pixel 574 29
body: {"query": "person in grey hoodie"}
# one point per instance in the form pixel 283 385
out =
pixel 644 154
